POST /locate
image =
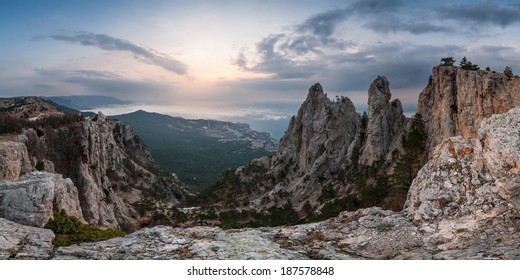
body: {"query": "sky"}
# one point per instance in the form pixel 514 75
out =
pixel 249 61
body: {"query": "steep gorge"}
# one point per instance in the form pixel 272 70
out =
pixel 108 170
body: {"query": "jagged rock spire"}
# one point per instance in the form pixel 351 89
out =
pixel 386 123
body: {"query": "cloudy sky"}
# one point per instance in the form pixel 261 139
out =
pixel 244 60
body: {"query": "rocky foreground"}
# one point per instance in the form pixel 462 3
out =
pixel 464 204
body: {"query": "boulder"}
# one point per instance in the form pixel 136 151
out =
pixel 33 198
pixel 24 242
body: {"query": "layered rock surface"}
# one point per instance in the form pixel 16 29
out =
pixel 471 185
pixel 462 205
pixel 455 101
pixel 109 166
pixel 33 198
pixel 24 242
pixel 325 138
pixel 14 160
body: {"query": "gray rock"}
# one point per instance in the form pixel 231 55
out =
pixel 455 101
pixel 24 242
pixel 34 197
pixel 386 124
pixel 14 160
pixel 443 218
pixel 109 166
pixel 163 242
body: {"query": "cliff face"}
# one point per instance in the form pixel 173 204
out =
pixel 107 169
pixel 455 101
pixel 326 140
pixel 464 204
pixel 318 138
pixel 469 180
pixel 33 198
pixel 14 160
pixel 386 124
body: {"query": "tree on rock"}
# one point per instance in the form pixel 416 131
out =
pixel 508 72
pixel 447 61
pixel 467 65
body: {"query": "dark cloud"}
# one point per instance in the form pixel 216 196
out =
pixel 376 7
pixel 405 65
pixel 482 12
pixel 109 43
pixel 323 24
pixel 275 58
pixel 387 24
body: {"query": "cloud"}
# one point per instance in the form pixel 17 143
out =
pixel 376 7
pixel 482 12
pixel 323 24
pixel 94 82
pixel 109 43
pixel 274 57
pixel 387 24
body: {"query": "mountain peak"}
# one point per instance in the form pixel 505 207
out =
pixel 316 88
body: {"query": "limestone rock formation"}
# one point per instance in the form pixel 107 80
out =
pixel 386 124
pixel 108 169
pixel 470 188
pixel 24 242
pixel 325 139
pixel 462 205
pixel 317 141
pixel 455 101
pixel 109 165
pixel 33 198
pixel 14 160
pixel 473 180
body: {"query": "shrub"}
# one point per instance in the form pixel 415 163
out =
pixel 467 65
pixel 508 72
pixel 69 230
pixel 385 227
pixel 447 61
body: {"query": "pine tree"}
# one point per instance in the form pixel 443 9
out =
pixel 508 72
pixel 447 61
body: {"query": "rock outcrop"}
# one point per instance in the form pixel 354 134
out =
pixel 14 160
pixel 472 184
pixel 107 169
pixel 24 242
pixel 455 101
pixel 462 205
pixel 324 141
pixel 317 142
pixel 108 164
pixel 33 198
pixel 386 124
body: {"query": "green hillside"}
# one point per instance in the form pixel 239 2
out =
pixel 198 151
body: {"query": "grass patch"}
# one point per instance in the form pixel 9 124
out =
pixel 385 227
pixel 69 230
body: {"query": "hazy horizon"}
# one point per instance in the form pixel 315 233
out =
pixel 245 60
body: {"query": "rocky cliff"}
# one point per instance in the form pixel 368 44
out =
pixel 109 173
pixel 328 146
pixel 317 141
pixel 464 204
pixel 455 101
pixel 387 126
